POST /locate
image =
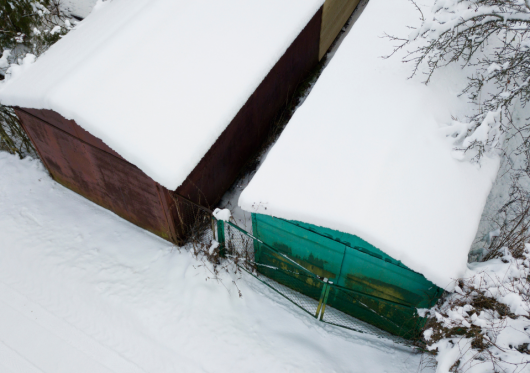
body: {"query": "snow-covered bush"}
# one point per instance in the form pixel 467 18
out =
pixel 490 38
pixel 484 326
pixel 27 29
pixel 511 223
pixel 31 26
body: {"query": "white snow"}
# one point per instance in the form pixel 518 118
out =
pixel 82 290
pixel 16 70
pixel 79 8
pixel 4 62
pixel 214 246
pixel 368 154
pixel 159 80
pixel 222 214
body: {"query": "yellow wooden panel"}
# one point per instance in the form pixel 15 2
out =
pixel 335 13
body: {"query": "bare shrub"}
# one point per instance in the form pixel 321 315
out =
pixel 232 257
pixel 484 325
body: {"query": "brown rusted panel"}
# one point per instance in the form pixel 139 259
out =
pixel 99 176
pixel 66 160
pixel 93 140
pixel 242 138
pixel 71 127
pixel 20 114
pixel 168 204
pixel 133 194
pixel 53 118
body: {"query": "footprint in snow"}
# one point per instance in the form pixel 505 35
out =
pixel 26 214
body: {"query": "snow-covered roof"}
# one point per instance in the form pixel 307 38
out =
pixel 159 80
pixel 367 154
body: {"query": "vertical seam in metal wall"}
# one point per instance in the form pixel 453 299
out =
pixel 342 263
pixel 165 208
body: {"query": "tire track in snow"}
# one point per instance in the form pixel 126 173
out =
pixel 12 362
pixel 26 327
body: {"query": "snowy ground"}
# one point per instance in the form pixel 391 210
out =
pixel 82 290
pixel 79 8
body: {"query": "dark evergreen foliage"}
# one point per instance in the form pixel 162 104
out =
pixel 26 26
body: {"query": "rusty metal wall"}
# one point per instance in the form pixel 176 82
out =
pixel 93 170
pixel 70 127
pixel 246 133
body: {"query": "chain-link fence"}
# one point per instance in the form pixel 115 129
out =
pixel 323 299
pixel 320 298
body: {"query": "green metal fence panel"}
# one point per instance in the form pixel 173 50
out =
pixel 345 238
pixel 395 318
pixel 376 277
pixel 366 283
pixel 289 277
pixel 274 265
pixel 332 304
pixel 318 254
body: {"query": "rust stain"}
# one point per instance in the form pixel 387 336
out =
pixel 97 175
pixel 381 289
pixel 311 263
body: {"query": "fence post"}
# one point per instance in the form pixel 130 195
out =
pixel 322 295
pixel 221 238
pixel 325 301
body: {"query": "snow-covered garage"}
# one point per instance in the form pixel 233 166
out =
pixel 363 186
pixel 140 102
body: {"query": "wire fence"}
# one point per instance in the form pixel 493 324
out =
pixel 320 298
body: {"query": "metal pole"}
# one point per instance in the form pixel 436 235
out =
pixel 221 238
pixel 322 294
pixel 324 303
